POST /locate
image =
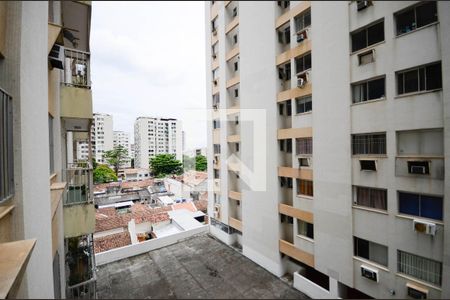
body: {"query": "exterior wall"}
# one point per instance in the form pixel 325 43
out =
pixel 123 139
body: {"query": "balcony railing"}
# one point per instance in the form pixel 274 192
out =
pixel 80 260
pixel 79 180
pixel 77 68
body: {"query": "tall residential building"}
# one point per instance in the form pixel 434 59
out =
pixel 121 138
pixel 153 136
pixel 102 136
pixel 47 216
pixel 356 97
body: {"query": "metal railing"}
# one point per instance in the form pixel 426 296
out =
pixel 80 261
pixel 77 68
pixel 79 178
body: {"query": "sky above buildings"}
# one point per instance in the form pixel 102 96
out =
pixel 148 59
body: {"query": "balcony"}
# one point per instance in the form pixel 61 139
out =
pixel 293 212
pixel 292 133
pixel 290 250
pixel 79 211
pixel 77 68
pixel 80 268
pixel 306 174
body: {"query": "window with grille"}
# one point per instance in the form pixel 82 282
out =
pixel 305 187
pixel 371 143
pixel 371 197
pixel 303 20
pixel 423 78
pixel 303 145
pixel 416 17
pixel 419 267
pixel 305 229
pixel 6 147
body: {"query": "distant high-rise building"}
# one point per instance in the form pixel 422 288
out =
pixel 153 136
pixel 356 97
pixel 102 136
pixel 121 138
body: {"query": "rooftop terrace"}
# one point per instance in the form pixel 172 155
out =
pixel 198 267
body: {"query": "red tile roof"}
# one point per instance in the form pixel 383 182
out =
pixel 201 205
pixel 187 205
pixel 112 241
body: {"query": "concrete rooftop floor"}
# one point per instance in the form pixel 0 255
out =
pixel 198 267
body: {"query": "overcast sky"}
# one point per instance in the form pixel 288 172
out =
pixel 147 59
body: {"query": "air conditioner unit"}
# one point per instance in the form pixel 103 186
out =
pixel 416 292
pixel 424 227
pixel 301 82
pixel 304 162
pixel 369 273
pixel 362 5
pixel 302 35
pixel 56 57
pixel 417 170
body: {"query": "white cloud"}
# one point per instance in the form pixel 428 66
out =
pixel 148 60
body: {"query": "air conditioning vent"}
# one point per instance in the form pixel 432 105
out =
pixel 419 167
pixel 369 273
pixel 303 78
pixel 56 57
pixel 363 4
pixel 416 292
pixel 424 227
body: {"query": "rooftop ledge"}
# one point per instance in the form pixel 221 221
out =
pixel 14 258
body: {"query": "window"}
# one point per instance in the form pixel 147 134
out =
pixel 236 66
pixel 371 143
pixel 289 183
pixel 283 4
pixel 303 162
pixel 6 147
pixel 371 197
pixel 303 63
pixel 369 90
pixel 235 12
pixel 419 267
pixel 236 121
pixel 235 39
pixel 237 147
pixel 288 108
pixel 424 206
pixel 289 145
pixel 216 124
pixel 368 36
pixel 286 219
pixel 236 93
pixel 368 165
pixel 303 145
pixel 216 174
pixel 424 78
pixel 303 20
pixel 50 145
pixel 366 57
pixel 281 109
pixel 281 145
pixel 419 167
pixel 420 142
pixel 284 72
pixel 284 36
pixel 415 17
pixel 304 187
pixel 303 104
pixel 213 25
pixel 305 229
pixel 282 181
pixel 370 251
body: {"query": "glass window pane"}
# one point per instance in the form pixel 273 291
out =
pixel 411 81
pixel 431 207
pixel 375 34
pixel 433 77
pixel 308 61
pixel 426 13
pixel 308 105
pixel 400 83
pixel 376 88
pixel 359 40
pixel 421 79
pixel 408 204
pixel 405 21
pixel 307 18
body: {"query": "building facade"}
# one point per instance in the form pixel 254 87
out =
pixel 102 136
pixel 153 136
pixel 47 217
pixel 121 138
pixel 357 106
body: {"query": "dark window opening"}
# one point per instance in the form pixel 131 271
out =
pixel 424 78
pixel 419 167
pixel 368 36
pixel 369 90
pixel 418 16
pixel 420 205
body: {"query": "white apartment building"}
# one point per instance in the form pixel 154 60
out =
pixel 356 96
pixel 132 151
pixel 121 138
pixel 82 150
pixel 153 136
pixel 102 135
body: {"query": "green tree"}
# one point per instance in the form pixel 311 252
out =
pixel 103 174
pixel 165 164
pixel 94 163
pixel 188 162
pixel 116 157
pixel 200 163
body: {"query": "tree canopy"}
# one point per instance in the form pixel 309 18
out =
pixel 103 174
pixel 165 164
pixel 116 157
pixel 200 163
